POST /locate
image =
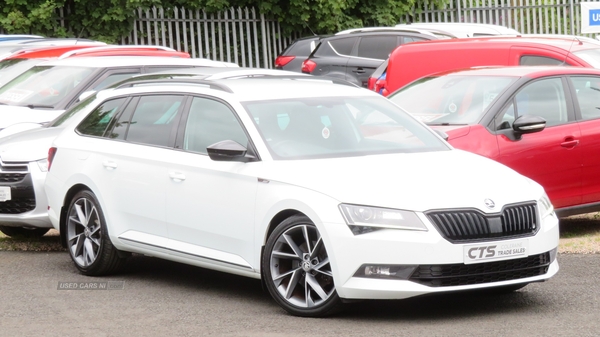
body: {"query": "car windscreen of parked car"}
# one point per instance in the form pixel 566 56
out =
pixel 43 86
pixel 458 99
pixel 12 68
pixel 338 126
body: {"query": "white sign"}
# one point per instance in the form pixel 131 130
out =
pixel 4 193
pixel 495 251
pixel 590 17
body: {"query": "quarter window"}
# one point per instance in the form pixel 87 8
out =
pixel 343 46
pixel 96 123
pixel 210 122
pixel 531 60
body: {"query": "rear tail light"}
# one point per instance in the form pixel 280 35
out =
pixel 280 61
pixel 371 83
pixel 308 66
pixel 380 86
pixel 51 154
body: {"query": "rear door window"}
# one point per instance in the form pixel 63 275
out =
pixel 377 47
pixel 155 119
pixel 533 60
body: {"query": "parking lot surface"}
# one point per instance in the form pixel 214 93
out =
pixel 157 298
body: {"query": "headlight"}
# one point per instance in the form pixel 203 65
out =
pixel 364 219
pixel 43 165
pixel 545 206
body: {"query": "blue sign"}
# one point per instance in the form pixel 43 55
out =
pixel 594 17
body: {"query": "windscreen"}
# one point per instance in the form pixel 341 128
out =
pixel 43 86
pixel 12 68
pixel 451 99
pixel 325 127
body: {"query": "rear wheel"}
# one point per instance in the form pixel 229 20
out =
pixel 296 269
pixel 87 238
pixel 23 231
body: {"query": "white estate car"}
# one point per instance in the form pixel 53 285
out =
pixel 23 156
pixel 44 91
pixel 325 191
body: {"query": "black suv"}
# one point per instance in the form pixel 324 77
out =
pixel 354 54
pixel 292 57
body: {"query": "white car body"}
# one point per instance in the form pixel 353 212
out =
pixel 186 207
pixel 462 30
pixel 15 110
pixel 28 148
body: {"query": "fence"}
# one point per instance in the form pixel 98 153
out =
pixel 526 16
pixel 237 35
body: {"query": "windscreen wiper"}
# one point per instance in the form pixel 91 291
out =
pixel 39 106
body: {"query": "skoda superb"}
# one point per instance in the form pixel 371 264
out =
pixel 326 192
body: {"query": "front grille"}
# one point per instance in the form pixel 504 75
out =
pixel 447 275
pixel 17 206
pixel 22 195
pixel 11 177
pixel 472 225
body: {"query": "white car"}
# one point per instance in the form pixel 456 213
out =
pixel 23 156
pixel 327 192
pixel 463 29
pixel 44 91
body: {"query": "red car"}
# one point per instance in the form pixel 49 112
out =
pixel 543 122
pixel 412 61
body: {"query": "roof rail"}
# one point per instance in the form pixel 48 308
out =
pixel 92 50
pixel 333 80
pixel 174 80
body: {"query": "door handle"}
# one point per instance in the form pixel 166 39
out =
pixel 359 71
pixel 109 164
pixel 177 176
pixel 570 143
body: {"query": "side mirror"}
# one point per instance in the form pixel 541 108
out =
pixel 228 150
pixel 529 124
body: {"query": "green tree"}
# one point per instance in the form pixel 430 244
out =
pixel 108 20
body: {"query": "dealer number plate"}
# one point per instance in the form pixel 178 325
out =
pixel 4 193
pixel 495 251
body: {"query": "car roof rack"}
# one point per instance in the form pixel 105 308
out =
pixel 174 80
pixel 92 50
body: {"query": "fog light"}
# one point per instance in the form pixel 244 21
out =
pixel 553 254
pixel 398 272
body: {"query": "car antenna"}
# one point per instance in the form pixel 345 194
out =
pixel 313 33
pixel 575 38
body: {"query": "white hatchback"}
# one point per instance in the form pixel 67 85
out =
pixel 325 191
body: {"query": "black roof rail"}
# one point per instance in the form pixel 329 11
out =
pixel 174 80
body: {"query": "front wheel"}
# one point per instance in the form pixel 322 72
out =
pixel 87 237
pixel 296 269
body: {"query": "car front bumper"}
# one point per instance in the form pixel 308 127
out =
pixel 28 206
pixel 433 264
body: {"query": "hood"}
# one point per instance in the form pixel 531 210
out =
pixel 411 181
pixel 28 145
pixel 10 115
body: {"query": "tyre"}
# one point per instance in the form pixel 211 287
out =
pixel 24 232
pixel 297 271
pixel 87 237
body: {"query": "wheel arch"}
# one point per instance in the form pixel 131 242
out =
pixel 63 210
